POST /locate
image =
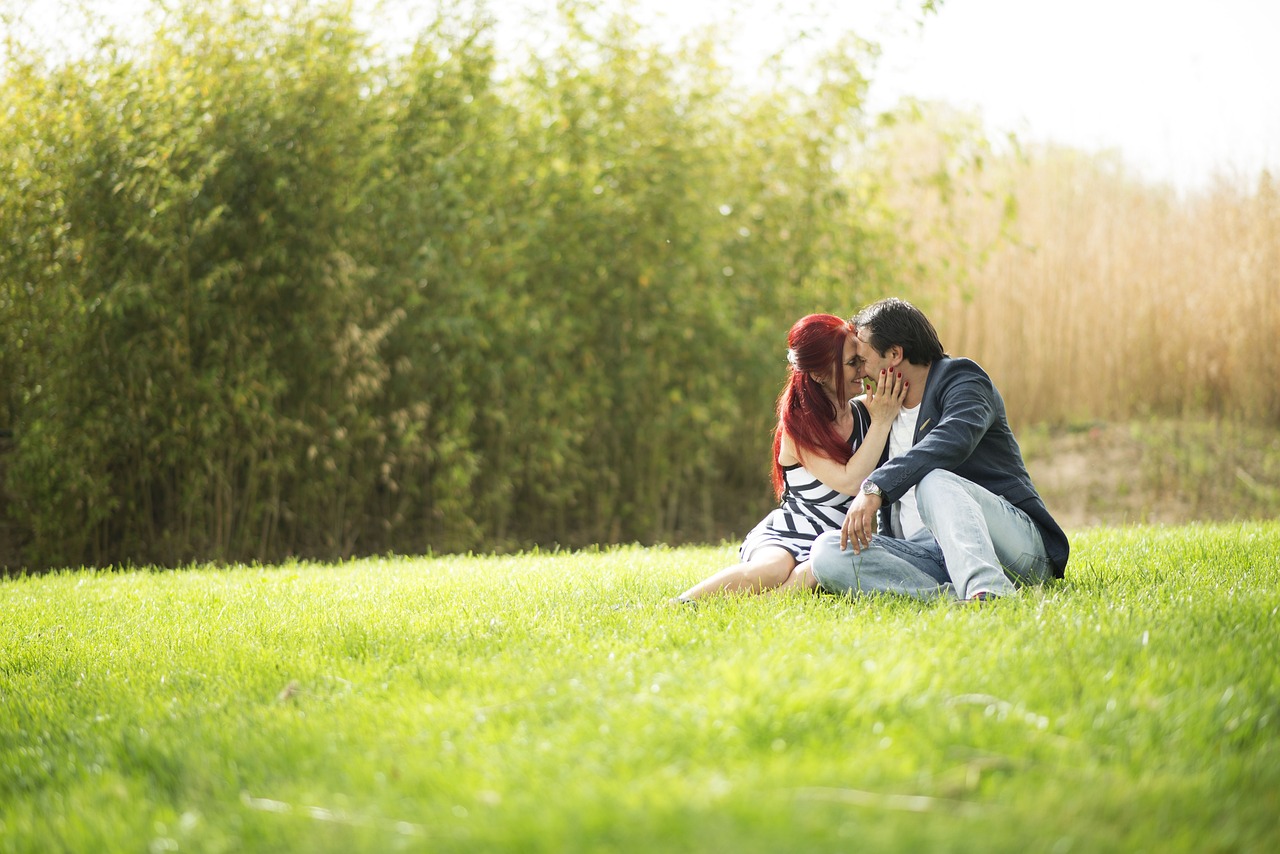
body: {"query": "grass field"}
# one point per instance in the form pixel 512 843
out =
pixel 553 702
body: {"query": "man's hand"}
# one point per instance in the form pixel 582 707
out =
pixel 860 522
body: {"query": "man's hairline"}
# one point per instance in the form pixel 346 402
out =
pixel 867 326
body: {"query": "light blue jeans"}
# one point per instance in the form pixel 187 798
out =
pixel 973 542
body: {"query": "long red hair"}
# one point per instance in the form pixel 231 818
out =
pixel 815 345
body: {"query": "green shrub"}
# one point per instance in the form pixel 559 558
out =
pixel 269 291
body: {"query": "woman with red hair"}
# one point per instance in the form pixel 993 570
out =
pixel 824 446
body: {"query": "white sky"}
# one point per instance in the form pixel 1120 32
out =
pixel 1184 89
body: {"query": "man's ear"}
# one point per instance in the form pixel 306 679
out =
pixel 895 356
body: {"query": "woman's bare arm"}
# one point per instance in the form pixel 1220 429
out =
pixel 883 405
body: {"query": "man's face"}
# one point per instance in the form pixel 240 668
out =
pixel 868 363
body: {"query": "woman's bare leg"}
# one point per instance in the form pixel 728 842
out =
pixel 799 579
pixel 769 567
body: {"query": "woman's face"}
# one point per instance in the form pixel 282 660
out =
pixel 849 366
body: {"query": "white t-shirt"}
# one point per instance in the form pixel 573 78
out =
pixel 906 515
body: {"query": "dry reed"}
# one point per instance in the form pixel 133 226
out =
pixel 1090 295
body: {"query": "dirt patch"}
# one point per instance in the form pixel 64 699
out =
pixel 1112 474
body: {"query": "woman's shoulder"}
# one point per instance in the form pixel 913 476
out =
pixel 787 457
pixel 861 419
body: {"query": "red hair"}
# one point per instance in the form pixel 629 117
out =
pixel 815 345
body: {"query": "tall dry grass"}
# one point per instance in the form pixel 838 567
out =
pixel 1089 294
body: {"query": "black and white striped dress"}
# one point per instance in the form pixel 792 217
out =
pixel 808 507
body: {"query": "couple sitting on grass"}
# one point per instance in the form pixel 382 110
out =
pixel 917 487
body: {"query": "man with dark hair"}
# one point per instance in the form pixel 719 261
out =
pixel 951 509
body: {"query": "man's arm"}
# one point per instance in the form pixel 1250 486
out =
pixel 967 409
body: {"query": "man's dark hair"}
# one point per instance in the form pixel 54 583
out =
pixel 894 322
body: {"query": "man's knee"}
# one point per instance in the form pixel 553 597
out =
pixel 825 556
pixel 938 481
pixel 937 490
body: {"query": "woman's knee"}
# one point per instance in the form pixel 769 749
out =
pixel 770 567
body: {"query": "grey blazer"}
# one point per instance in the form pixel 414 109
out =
pixel 963 428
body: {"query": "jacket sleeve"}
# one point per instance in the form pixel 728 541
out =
pixel 966 410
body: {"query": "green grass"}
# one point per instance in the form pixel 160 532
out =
pixel 553 702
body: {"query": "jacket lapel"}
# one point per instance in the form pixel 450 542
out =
pixel 929 403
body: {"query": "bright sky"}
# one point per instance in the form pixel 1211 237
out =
pixel 1184 89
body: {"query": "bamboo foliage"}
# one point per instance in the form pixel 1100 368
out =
pixel 268 292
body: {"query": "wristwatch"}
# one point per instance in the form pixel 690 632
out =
pixel 869 488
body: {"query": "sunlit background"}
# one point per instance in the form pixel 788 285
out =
pixel 288 278
pixel 1185 91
